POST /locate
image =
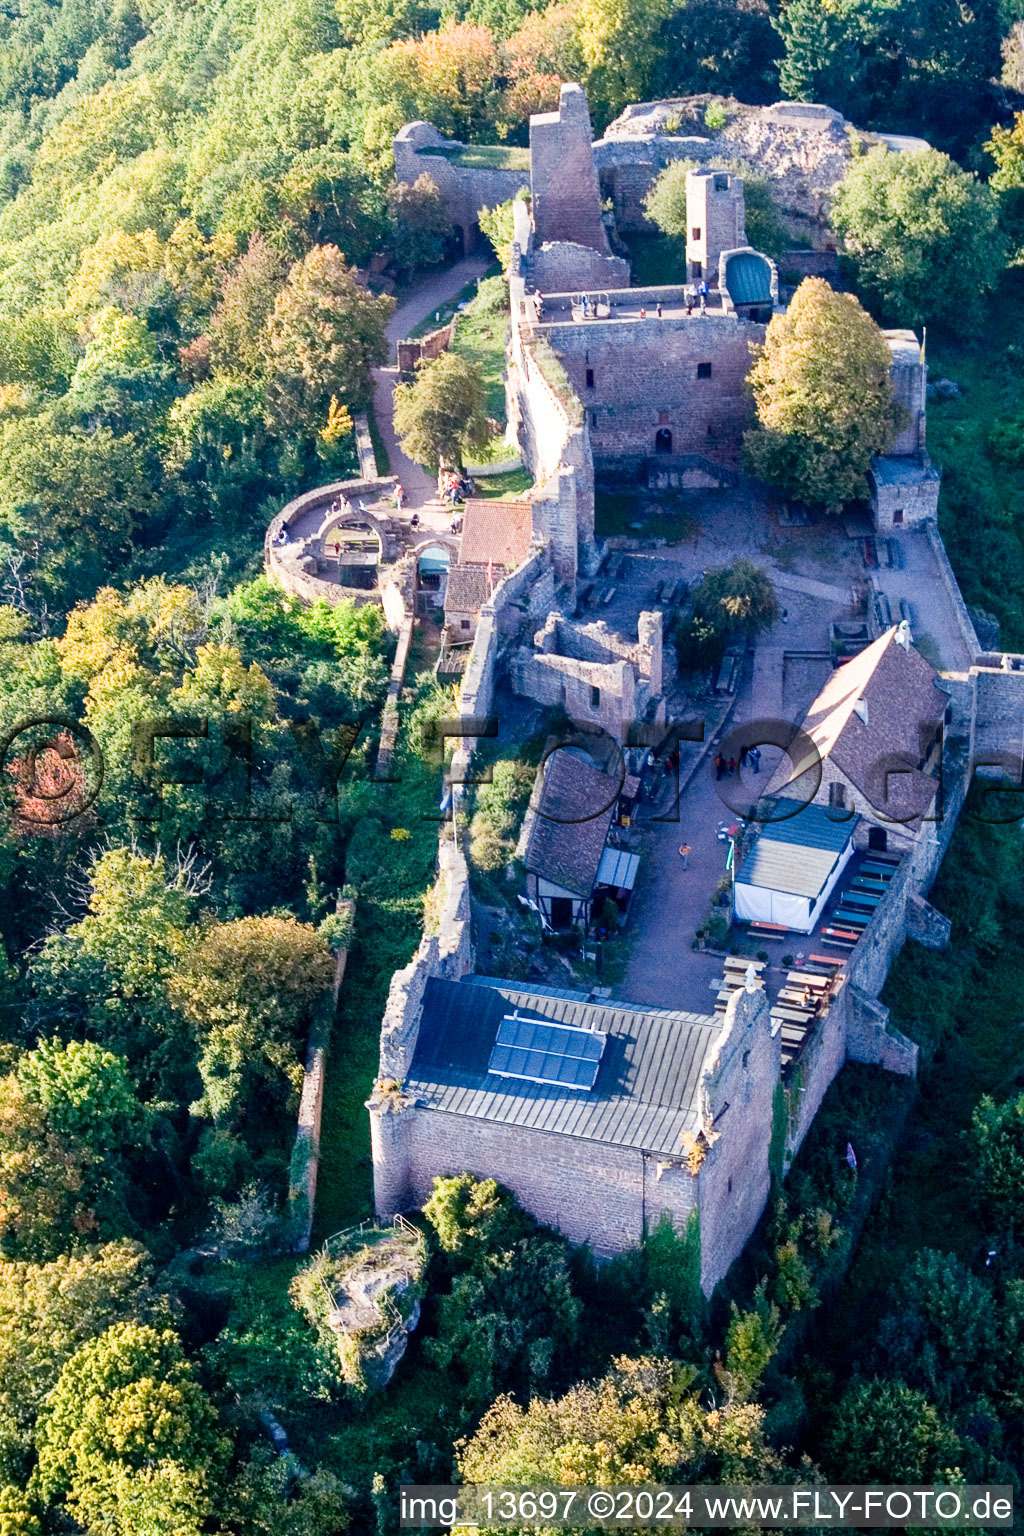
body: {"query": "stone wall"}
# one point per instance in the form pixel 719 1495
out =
pixel 424 348
pixel 466 189
pixel 593 1193
pixel 997 727
pixel 565 198
pixel 952 588
pixel 803 154
pixel 645 381
pixel 737 1094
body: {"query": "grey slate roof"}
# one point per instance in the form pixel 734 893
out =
pixel 645 1094
pixel 796 854
pixel 566 833
pixel 467 588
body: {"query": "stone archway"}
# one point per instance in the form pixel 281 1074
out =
pixel 663 440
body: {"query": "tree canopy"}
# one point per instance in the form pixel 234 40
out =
pixel 442 414
pixel 924 235
pixel 823 396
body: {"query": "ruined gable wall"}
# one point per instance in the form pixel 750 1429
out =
pixel 647 367
pixel 739 1090
pixel 566 201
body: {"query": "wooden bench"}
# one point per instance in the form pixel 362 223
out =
pixel 794 997
pixel 793 1015
pixel 741 963
pixel 852 919
pixel 807 979
pixel 876 872
pixel 860 901
pixel 770 930
pixel 830 960
pixel 841 937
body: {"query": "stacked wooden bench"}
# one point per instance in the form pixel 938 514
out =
pixel 736 967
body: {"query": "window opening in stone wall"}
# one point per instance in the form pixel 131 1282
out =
pixel 837 796
pixel 721 183
pixel 663 440
pixel 695 233
pixel 595 698
pixel 593 418
pixel 590 378
pixel 464 623
pixel 703 370
pixel 897 517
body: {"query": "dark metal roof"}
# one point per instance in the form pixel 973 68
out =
pixel 748 278
pixel 796 855
pixel 645 1092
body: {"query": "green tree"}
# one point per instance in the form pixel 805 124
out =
pixel 81 495
pixel 824 398
pixel 737 599
pixel 639 1423
pixel 266 1499
pixel 108 972
pixel 48 1310
pixel 248 986
pixel 422 226
pixel 69 1120
pixel 248 292
pixel 942 1334
pixel 998 1138
pixel 825 58
pixel 128 1440
pixel 1006 147
pixel 886 1432
pixel 325 333
pixel 916 224
pixel 442 414
pixel 472 1218
pixel 497 223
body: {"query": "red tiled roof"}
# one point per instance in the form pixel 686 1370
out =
pixel 496 532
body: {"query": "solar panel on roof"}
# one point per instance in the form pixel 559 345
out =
pixel 539 1052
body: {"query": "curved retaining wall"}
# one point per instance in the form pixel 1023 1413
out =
pixel 302 583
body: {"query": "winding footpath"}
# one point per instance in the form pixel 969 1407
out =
pixel 419 486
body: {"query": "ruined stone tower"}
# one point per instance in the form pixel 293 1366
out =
pixel 566 200
pixel 714 221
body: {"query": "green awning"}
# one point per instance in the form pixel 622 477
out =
pixel 748 278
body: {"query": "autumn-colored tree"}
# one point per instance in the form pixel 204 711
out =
pixel 1006 147
pixel 48 1310
pixel 443 412
pixel 638 1424
pixel 247 299
pixel 824 398
pixel 249 986
pixel 129 1437
pixel 619 40
pixel 324 335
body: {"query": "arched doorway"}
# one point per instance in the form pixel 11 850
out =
pixel 663 440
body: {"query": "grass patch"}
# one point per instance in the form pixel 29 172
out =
pixel 392 879
pixel 480 338
pixel 621 514
pixel 512 483
pixel 979 442
pixel 444 312
pixel 488 157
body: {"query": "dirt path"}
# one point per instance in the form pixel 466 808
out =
pixel 420 489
